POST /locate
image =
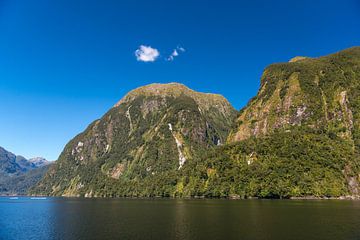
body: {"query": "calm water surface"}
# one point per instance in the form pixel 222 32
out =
pixel 59 218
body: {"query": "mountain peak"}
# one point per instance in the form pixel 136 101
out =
pixel 160 89
pixel 172 89
pixel 314 92
pixel 154 132
pixel 39 161
pixel 11 164
pixel 297 58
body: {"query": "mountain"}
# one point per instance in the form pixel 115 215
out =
pixel 298 137
pixel 321 93
pixel 39 162
pixel 17 174
pixel 10 164
pixel 21 183
pixel 142 145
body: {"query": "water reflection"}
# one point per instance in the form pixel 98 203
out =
pixel 58 218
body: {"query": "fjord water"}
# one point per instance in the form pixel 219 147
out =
pixel 76 218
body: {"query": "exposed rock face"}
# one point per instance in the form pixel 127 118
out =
pixel 322 94
pixel 316 92
pixel 299 137
pixel 148 136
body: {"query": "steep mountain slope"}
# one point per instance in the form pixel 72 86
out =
pixel 141 146
pixel 17 174
pixel 300 162
pixel 316 92
pixel 298 137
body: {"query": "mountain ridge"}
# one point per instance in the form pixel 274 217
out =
pixel 166 89
pixel 298 137
pixel 311 89
pixel 18 174
pixel 150 134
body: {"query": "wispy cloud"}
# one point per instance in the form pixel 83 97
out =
pixel 175 53
pixel 146 54
pixel 181 49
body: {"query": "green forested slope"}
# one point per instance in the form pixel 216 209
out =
pixel 140 147
pixel 299 136
pixel 294 163
pixel 315 92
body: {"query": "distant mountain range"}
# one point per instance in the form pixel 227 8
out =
pixel 18 174
pixel 298 137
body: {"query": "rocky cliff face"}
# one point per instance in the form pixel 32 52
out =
pixel 321 93
pixel 142 144
pixel 298 137
pixel 307 98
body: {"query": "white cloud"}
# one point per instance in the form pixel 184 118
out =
pixel 175 53
pixel 146 54
pixel 181 49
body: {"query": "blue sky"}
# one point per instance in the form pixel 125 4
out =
pixel 64 63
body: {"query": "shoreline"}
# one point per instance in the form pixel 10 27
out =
pixel 232 197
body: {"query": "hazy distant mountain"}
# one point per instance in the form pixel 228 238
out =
pixel 39 161
pixel 20 184
pixel 17 174
pixel 10 164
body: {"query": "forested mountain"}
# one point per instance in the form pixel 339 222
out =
pixel 18 174
pixel 299 136
pixel 141 146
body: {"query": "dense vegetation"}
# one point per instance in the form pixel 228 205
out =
pixel 144 136
pixel 316 92
pixel 20 184
pixel 295 163
pixel 300 136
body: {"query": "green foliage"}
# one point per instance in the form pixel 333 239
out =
pixel 134 139
pixel 300 137
pixel 302 162
pixel 307 92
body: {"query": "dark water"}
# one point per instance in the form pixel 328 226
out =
pixel 58 218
